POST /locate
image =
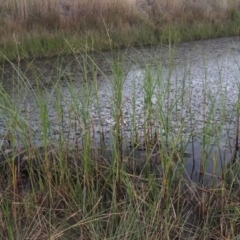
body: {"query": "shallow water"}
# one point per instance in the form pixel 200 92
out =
pixel 198 87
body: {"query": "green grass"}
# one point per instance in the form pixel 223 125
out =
pixel 83 191
pixel 47 46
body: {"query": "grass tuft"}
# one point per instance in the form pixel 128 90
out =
pixel 65 176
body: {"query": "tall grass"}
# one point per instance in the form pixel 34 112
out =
pixel 74 187
pixel 35 29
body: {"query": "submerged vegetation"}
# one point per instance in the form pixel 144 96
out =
pixel 30 28
pixel 131 183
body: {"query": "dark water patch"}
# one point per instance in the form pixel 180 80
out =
pixel 208 167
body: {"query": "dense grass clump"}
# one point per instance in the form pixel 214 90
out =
pixel 57 182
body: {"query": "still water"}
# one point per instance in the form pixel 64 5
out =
pixel 192 87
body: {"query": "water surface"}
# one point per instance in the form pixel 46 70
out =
pixel 195 86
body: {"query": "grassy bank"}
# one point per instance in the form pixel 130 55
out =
pixel 69 189
pixel 36 29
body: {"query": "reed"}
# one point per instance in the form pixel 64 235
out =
pixel 111 181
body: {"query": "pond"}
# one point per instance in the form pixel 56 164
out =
pixel 187 94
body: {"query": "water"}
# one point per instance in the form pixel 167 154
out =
pixel 207 72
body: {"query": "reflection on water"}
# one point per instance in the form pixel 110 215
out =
pixel 195 86
pixel 209 168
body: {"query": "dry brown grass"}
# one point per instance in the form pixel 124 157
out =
pixel 52 14
pixel 29 19
pixel 118 22
pixel 188 10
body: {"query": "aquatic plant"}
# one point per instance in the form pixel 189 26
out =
pixel 76 170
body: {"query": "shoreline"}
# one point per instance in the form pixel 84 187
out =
pixel 36 31
pixel 176 113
